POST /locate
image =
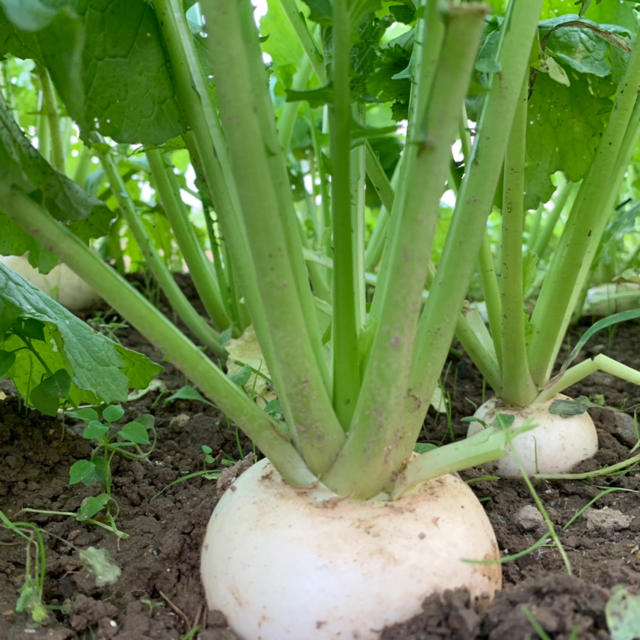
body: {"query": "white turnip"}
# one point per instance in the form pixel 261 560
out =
pixel 61 283
pixel 555 445
pixel 286 563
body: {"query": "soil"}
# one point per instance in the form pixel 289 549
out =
pixel 158 594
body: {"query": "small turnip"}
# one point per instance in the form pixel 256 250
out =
pixel 555 445
pixel 61 283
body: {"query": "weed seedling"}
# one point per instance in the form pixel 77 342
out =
pixel 126 440
pixel 30 598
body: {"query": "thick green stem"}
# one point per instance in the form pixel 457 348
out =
pixel 429 41
pixel 199 267
pixel 472 208
pixel 583 231
pixel 491 292
pixel 367 461
pixel 346 371
pixel 585 368
pixel 253 152
pixel 177 300
pixel 517 387
pixel 178 349
pixel 541 241
pixel 484 446
pixel 290 109
pixel 52 114
pixel 358 174
pixel 478 344
pixel 258 82
pixel 209 151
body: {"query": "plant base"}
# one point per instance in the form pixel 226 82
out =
pixel 556 445
pixel 285 563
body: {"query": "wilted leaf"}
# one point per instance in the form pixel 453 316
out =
pixel 100 564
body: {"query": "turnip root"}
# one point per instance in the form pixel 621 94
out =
pixel 605 299
pixel 60 283
pixel 285 563
pixel 555 445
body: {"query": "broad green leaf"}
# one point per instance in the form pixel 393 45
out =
pixel 134 432
pixel 7 358
pixel 624 14
pixel 423 447
pixel 113 413
pixel 95 430
pixel 83 471
pixel 51 393
pixel 86 414
pixel 241 377
pixel 570 406
pixel 565 127
pixel 30 15
pixel 99 369
pixel 187 393
pixel 91 506
pixel 24 168
pixel 582 44
pixel 107 61
pixel 281 43
pixel 320 11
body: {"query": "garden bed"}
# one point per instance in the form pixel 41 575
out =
pixel 158 595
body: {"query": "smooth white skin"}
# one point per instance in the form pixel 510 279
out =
pixel 555 445
pixel 305 564
pixel 60 283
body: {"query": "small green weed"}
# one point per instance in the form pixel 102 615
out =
pixel 126 441
pixel 30 598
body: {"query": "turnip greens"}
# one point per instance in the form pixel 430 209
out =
pixel 321 148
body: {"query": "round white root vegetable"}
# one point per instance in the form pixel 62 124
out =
pixel 285 563
pixel 555 445
pixel 60 283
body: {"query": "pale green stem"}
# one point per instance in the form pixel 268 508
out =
pixel 345 330
pixel 258 82
pixel 585 368
pixel 542 240
pixel 199 267
pixel 517 388
pixel 177 348
pixel 367 462
pixel 52 113
pixel 491 292
pixel 478 344
pixel 83 167
pixel 177 300
pixel 429 39
pixel 358 175
pixel 209 150
pixel 290 109
pixel 473 205
pixel 480 448
pixel 232 43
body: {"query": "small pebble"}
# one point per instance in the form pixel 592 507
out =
pixel 180 421
pixel 606 519
pixel 528 518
